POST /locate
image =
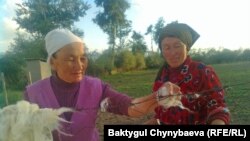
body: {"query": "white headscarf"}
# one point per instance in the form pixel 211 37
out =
pixel 57 39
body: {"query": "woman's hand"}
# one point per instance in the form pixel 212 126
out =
pixel 217 122
pixel 146 104
pixel 151 121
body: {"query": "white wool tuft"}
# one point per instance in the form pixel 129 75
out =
pixel 26 122
pixel 172 100
pixel 104 104
pixel 175 100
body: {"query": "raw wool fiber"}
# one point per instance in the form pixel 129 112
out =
pixel 169 96
pixel 27 122
pixel 171 100
pixel 175 100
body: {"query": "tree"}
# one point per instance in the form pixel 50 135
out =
pixel 92 68
pixel 40 16
pixel 158 28
pixel 140 61
pixel 151 32
pixel 13 68
pixel 25 46
pixel 245 55
pixel 154 60
pixel 125 60
pixel 103 62
pixel 110 19
pixel 123 32
pixel 138 44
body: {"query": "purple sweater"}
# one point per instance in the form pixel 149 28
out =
pixel 84 97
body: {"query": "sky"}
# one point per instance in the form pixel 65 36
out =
pixel 220 23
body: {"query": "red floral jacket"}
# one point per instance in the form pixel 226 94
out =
pixel 193 77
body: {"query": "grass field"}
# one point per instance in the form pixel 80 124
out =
pixel 13 96
pixel 235 75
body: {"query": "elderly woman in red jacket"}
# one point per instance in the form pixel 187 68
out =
pixel 202 95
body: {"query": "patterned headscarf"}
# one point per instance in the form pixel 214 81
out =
pixel 181 31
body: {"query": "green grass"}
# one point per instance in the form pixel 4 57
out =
pixel 136 83
pixel 13 96
pixel 237 77
pixel 139 83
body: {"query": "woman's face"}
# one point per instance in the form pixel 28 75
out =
pixel 174 51
pixel 70 62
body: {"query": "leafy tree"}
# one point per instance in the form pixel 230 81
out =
pixel 25 46
pixel 13 61
pixel 103 65
pixel 153 60
pixel 123 32
pixel 38 17
pixel 213 56
pixel 157 29
pixel 41 16
pixel 245 55
pixel 13 68
pixel 138 44
pixel 92 66
pixel 154 31
pixel 140 61
pixel 111 19
pixel 151 32
pixel 125 61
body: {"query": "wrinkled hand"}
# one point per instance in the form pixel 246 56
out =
pixel 167 89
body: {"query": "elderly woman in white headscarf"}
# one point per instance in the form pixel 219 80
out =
pixel 70 87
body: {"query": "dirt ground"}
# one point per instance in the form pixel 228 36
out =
pixel 112 119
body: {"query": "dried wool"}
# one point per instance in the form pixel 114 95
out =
pixel 175 100
pixel 27 122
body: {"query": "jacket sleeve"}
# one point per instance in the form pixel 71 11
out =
pixel 213 97
pixel 118 102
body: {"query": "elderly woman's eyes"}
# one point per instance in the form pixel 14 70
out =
pixel 165 47
pixel 178 46
pixel 82 59
pixel 70 59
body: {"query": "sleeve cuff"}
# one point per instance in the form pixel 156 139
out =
pixel 221 113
